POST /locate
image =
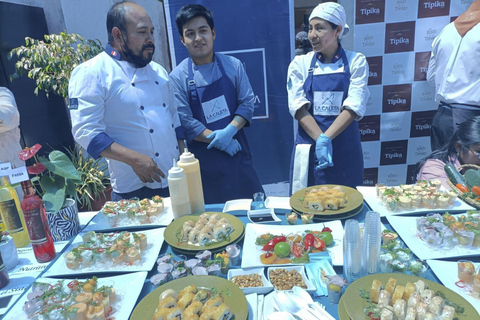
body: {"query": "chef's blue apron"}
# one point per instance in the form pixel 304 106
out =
pixel 346 147
pixel 224 177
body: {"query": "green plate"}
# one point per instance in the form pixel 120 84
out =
pixel 342 312
pixel 173 228
pixel 356 304
pixel 354 197
pixel 236 301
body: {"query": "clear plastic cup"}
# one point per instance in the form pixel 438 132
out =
pixel 353 267
pixel 372 237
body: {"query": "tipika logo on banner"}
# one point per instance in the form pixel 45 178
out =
pixel 433 8
pixel 369 127
pixel 370 176
pixel 397 98
pixel 370 11
pixel 393 152
pixel 421 65
pixel 399 37
pixel 421 123
pixel 375 66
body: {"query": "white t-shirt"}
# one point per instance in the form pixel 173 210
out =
pixel 9 131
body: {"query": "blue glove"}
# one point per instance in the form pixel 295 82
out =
pixel 323 151
pixel 233 148
pixel 222 138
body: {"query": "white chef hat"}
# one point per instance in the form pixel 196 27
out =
pixel 332 12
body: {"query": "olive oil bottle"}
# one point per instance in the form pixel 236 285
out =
pixel 12 215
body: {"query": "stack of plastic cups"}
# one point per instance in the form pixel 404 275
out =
pixel 372 236
pixel 353 266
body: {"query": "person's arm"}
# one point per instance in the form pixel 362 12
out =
pixel 237 121
pixel 308 123
pixel 344 119
pixel 143 166
pixel 245 97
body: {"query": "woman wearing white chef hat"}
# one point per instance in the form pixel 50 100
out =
pixel 327 94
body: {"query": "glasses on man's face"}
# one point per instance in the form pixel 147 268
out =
pixel 477 153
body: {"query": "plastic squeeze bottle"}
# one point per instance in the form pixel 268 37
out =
pixel 191 167
pixel 177 184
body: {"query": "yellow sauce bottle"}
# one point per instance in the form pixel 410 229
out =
pixel 12 214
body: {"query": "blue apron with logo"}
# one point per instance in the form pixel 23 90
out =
pixel 346 147
pixel 224 177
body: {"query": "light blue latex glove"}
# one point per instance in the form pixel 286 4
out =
pixel 222 138
pixel 233 147
pixel 323 151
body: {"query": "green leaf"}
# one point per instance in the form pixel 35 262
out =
pixel 71 188
pixel 53 202
pixel 61 165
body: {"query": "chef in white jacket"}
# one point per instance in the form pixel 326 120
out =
pixel 122 107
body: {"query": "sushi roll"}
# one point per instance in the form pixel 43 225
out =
pixel 205 216
pixel 390 287
pixel 386 314
pixel 429 316
pixel 436 305
pixel 222 313
pixel 211 303
pixel 201 220
pixel 411 313
pixel 168 302
pixel 409 289
pixel 193 309
pixel 191 288
pixel 174 314
pixel 331 203
pixel 400 309
pixel 185 300
pixel 375 290
pixel 398 293
pixel 185 231
pixel 167 293
pixel 193 236
pixel 384 299
pixel 421 310
pixel 427 296
pixel 316 204
pixel 204 239
pixel 414 300
pixel 189 223
pixel 447 313
pixel 202 296
pixel 161 313
pixel 215 216
pixel 219 233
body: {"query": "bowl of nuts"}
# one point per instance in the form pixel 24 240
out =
pixel 285 278
pixel 251 280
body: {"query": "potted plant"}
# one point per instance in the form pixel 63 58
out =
pixel 56 181
pixel 95 189
pixel 50 62
pixel 8 250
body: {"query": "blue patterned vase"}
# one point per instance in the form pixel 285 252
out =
pixel 65 224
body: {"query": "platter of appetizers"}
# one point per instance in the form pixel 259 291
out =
pixel 424 196
pixel 291 245
pixel 93 252
pixel 210 296
pixel 437 236
pixel 87 298
pixel 132 214
pixel 460 277
pixel 327 200
pixel 209 230
pixel 398 296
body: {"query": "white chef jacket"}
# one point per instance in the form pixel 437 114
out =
pixel 9 131
pixel 358 92
pixel 454 66
pixel 112 101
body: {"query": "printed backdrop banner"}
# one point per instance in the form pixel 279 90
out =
pixel 396 38
pixel 260 38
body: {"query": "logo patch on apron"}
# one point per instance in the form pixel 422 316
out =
pixel 215 109
pixel 327 103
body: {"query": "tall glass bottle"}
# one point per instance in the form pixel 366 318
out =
pixel 12 214
pixel 4 279
pixel 37 224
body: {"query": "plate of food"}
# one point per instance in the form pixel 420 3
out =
pixel 251 280
pixel 327 200
pixel 209 230
pixel 124 251
pixel 291 245
pixel 399 296
pixel 453 273
pixel 195 295
pixel 437 236
pixel 132 214
pixel 285 278
pixel 424 196
pixel 110 298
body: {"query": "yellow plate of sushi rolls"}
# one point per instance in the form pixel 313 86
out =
pixel 396 291
pixel 231 300
pixel 327 200
pixel 207 231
